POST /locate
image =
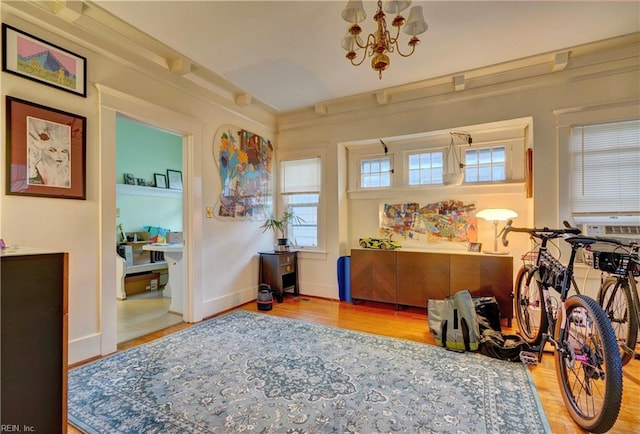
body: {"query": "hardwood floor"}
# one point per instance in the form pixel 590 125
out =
pixel 411 324
pixel 142 314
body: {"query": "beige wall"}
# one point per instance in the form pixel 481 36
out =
pixel 225 267
pixel 223 263
pixel 599 78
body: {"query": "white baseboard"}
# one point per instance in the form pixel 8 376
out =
pixel 84 348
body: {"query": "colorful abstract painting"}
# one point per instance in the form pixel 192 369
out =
pixel 245 162
pixel 449 220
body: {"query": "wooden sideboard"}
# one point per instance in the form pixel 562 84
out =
pixel 33 288
pixel 411 278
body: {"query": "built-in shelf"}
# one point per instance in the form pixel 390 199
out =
pixel 142 268
pixel 139 190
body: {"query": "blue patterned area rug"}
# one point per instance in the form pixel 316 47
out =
pixel 252 372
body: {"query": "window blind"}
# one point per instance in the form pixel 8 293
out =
pixel 301 176
pixel 605 168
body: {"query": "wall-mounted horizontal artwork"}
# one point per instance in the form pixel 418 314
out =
pixel 35 59
pixel 450 220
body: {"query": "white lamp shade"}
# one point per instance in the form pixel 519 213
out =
pixel 396 6
pixel 354 12
pixel 415 23
pixel 496 214
pixel 349 42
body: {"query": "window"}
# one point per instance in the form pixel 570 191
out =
pixel 605 159
pixel 495 159
pixel 301 181
pixel 375 172
pixel 485 164
pixel 425 168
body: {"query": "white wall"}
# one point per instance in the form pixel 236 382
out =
pixel 598 79
pixel 224 266
pixel 227 262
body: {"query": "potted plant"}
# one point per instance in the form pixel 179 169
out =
pixel 280 225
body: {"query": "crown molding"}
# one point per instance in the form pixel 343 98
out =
pixel 88 25
pixel 601 58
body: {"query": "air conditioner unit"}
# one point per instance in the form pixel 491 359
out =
pixel 612 231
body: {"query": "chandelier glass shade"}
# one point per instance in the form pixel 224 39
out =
pixel 380 43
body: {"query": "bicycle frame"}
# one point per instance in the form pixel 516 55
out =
pixel 587 357
pixel 545 264
pixel 628 277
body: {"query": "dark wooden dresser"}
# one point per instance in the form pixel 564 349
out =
pixel 34 321
pixel 280 271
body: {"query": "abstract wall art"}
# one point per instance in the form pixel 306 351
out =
pixel 245 163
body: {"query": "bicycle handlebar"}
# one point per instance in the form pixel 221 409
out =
pixel 538 232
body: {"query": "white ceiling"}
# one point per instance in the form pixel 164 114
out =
pixel 287 53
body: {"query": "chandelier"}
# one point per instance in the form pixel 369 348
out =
pixel 381 42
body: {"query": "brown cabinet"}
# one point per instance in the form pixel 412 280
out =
pixel 280 271
pixel 411 278
pixel 34 341
pixel 485 275
pixel 421 276
pixel 376 275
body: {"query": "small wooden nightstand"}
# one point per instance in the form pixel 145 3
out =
pixel 280 271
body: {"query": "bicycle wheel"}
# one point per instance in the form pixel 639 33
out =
pixel 588 365
pixel 530 310
pixel 615 298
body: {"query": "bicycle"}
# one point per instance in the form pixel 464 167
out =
pixel 587 359
pixel 618 292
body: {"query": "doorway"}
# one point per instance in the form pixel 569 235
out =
pixel 148 212
pixel 112 104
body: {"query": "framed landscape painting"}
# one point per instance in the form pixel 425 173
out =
pixel 35 59
pixel 45 151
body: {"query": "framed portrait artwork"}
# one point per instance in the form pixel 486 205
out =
pixel 161 180
pixel 174 179
pixel 36 59
pixel 46 150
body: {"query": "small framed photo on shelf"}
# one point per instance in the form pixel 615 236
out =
pixel 475 247
pixel 141 181
pixel 160 179
pixel 174 178
pixel 129 178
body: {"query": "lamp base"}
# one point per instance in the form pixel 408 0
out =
pixel 494 253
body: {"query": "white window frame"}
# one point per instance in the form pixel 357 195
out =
pixel 514 134
pixel 595 188
pixel 315 152
pixel 566 119
pixel 508 163
pixel 380 173
pixel 431 152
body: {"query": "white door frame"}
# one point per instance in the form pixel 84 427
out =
pixel 111 103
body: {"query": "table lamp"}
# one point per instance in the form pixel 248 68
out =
pixel 496 215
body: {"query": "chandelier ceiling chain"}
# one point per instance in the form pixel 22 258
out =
pixel 381 42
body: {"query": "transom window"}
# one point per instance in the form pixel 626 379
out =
pixel 485 164
pixel 375 172
pixel 425 168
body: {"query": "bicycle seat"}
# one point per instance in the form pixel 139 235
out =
pixel 580 240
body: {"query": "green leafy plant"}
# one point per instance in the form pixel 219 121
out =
pixel 281 224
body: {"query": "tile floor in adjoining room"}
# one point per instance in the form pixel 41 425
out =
pixel 141 314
